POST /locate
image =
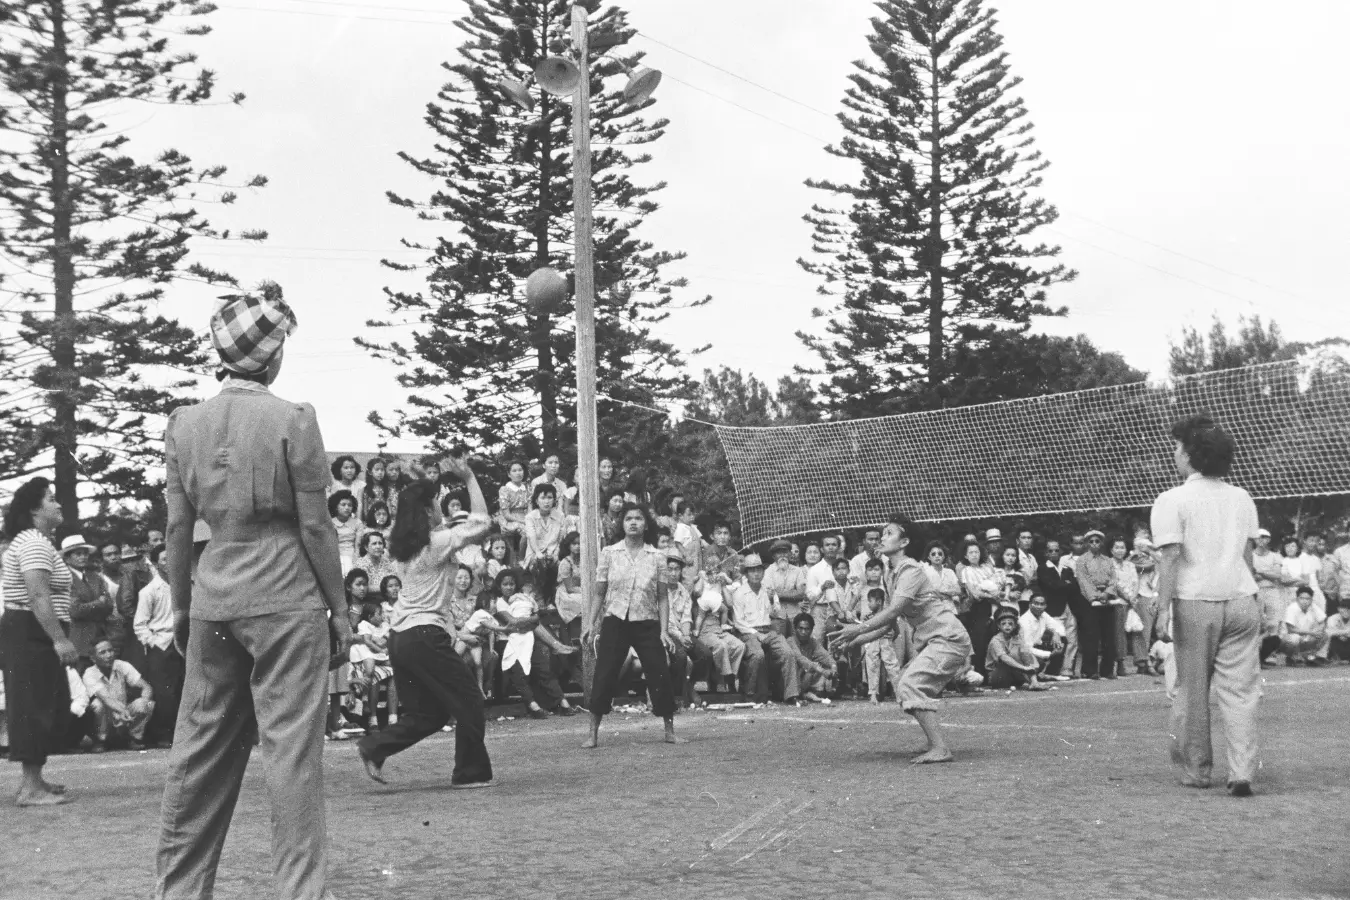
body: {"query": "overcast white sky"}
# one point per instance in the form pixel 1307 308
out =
pixel 1197 154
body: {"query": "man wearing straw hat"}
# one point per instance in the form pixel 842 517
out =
pixel 254 627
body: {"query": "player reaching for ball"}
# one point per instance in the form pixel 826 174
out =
pixel 942 642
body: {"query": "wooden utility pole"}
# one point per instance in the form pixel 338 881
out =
pixel 588 464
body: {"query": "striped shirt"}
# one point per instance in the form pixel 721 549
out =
pixel 30 552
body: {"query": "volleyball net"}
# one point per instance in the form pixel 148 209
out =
pixel 1105 448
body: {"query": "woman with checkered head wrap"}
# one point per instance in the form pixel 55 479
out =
pixel 249 333
pixel 254 627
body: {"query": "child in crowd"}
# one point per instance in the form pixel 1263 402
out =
pixel 498 556
pixel 390 586
pixel 377 518
pixel 879 651
pixel 481 625
pixel 339 683
pixel 711 633
pixel 373 491
pixel 370 662
pixel 1009 661
pixel 1160 655
pixel 342 508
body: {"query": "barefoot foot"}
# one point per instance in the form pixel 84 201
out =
pixel 53 788
pixel 40 798
pixel 932 756
pixel 590 743
pixel 673 738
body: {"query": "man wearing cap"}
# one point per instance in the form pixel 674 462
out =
pixel 753 606
pixel 90 603
pixel 135 575
pixel 153 627
pixel 1205 530
pixel 788 584
pixel 993 545
pixel 1096 575
pixel 266 611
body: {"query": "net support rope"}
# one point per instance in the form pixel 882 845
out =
pixel 1105 448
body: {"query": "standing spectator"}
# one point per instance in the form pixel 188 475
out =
pixel 871 540
pixel 252 625
pixel 690 541
pixel 342 509
pixel 433 681
pixel 117 629
pixel 1145 562
pixel 347 477
pixel 880 650
pixel 822 570
pixel 374 491
pixel 1029 564
pixel 33 644
pixel 90 603
pixel 118 719
pixel 1096 579
pixel 944 579
pixel 752 607
pixel 136 574
pixel 1309 567
pixel 606 476
pixel 1303 633
pixel 1014 591
pixel 1059 585
pixel 163 663
pixel 1206 529
pixel 1274 591
pixel 981 585
pixel 633 608
pixel 552 465
pixel 788 583
pixel 1125 591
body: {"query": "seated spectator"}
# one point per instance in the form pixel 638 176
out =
pixel 373 559
pixel 716 639
pixel 543 537
pixel 513 505
pixel 837 601
pixel 1303 634
pixel 611 522
pixel 1013 590
pixel 720 558
pixel 1338 635
pixel 119 720
pixel 373 491
pixel 377 519
pixel 370 663
pixel 690 541
pixel 870 543
pixel 568 606
pixel 342 507
pixel 1009 661
pixel 879 651
pixel 1044 635
pixel 357 586
pixel 346 477
pixel 498 557
pixel 390 587
pixel 752 609
pixel 552 465
pixel 816 669
pixel 525 658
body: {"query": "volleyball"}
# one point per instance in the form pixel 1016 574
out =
pixel 545 289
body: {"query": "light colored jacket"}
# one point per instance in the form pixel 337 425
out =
pixel 239 458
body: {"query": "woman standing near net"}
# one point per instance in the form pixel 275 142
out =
pixel 433 681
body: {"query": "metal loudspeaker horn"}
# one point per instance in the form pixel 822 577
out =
pixel 516 92
pixel 641 84
pixel 558 75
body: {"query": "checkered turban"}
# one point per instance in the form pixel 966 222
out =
pixel 248 329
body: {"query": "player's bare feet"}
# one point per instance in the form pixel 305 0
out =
pixel 593 740
pixel 40 798
pixel 875 700
pixel 53 788
pixel 373 769
pixel 939 755
pixel 671 736
pixel 590 743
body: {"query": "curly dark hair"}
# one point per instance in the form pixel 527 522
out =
pixel 26 501
pixel 337 497
pixel 336 467
pixel 540 490
pixel 1208 446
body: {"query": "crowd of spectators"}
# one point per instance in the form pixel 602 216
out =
pixel 751 621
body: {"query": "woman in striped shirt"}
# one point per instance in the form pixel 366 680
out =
pixel 33 640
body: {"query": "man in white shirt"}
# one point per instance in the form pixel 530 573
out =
pixel 117 718
pixel 1043 634
pixel 1026 559
pixel 858 564
pixel 1303 633
pixel 822 573
pixel 1309 566
pixel 752 607
pixel 164 667
pixel 1206 532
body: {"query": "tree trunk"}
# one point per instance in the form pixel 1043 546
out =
pixel 66 380
pixel 935 293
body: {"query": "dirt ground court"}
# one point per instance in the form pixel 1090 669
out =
pixel 1067 794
